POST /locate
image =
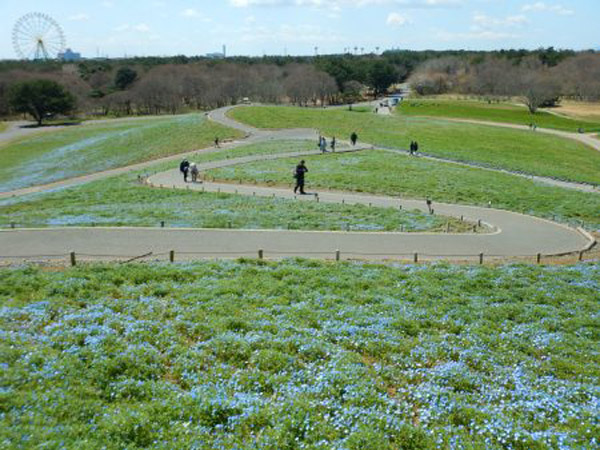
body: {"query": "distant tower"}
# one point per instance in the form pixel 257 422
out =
pixel 224 51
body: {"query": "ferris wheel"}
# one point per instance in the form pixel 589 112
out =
pixel 38 36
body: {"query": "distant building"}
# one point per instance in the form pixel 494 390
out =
pixel 69 55
pixel 217 55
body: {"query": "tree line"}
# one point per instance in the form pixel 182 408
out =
pixel 179 83
pixel 540 82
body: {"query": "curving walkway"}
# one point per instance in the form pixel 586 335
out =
pixel 513 234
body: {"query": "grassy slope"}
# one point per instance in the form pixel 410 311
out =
pixel 506 113
pixel 274 355
pixel 386 173
pixel 3 126
pixel 92 148
pixel 525 151
pixel 120 201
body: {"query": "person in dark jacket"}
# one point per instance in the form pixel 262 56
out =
pixel 299 176
pixel 353 138
pixel 184 168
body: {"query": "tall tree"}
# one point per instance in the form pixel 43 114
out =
pixel 41 98
pixel 381 75
pixel 125 77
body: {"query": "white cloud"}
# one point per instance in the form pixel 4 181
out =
pixel 192 13
pixel 545 7
pixel 140 27
pixel 485 35
pixel 79 17
pixel 338 4
pixel 397 19
pixel 288 34
pixel 485 21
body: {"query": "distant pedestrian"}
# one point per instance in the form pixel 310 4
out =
pixel 194 171
pixel 217 142
pixel 333 144
pixel 416 148
pixel 412 148
pixel 184 167
pixel 429 207
pixel 353 138
pixel 323 145
pixel 299 176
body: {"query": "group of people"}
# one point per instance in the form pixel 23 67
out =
pixel 191 169
pixel 414 147
pixel 187 168
pixel 322 144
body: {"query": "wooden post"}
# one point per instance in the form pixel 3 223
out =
pixel 229 224
pixel 481 258
pixel 400 207
pixel 416 258
pixel 448 227
pixel 162 223
pixel 12 225
pixel 370 204
pixel 581 255
pixel 260 254
pixel 73 259
pixel 347 227
pixel 462 218
pixel 343 201
pixel 172 256
pixel 538 258
pixel 479 223
pixel 474 228
pixel 337 255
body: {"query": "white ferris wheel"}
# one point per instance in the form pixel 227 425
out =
pixel 38 36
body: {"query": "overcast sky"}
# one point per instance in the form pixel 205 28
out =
pixel 256 27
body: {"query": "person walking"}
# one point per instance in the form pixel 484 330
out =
pixel 333 144
pixel 416 148
pixel 299 176
pixel 353 138
pixel 194 171
pixel 217 142
pixel 323 145
pixel 184 167
pixel 412 148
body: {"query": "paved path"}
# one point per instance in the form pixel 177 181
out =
pixel 513 234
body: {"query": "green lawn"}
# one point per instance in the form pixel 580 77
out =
pixel 382 172
pixel 121 201
pixel 524 151
pixel 92 148
pixel 494 112
pixel 300 354
pixel 3 126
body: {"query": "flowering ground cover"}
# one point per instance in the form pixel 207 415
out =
pixel 122 201
pixel 518 150
pixel 300 354
pixel 382 172
pixel 83 149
